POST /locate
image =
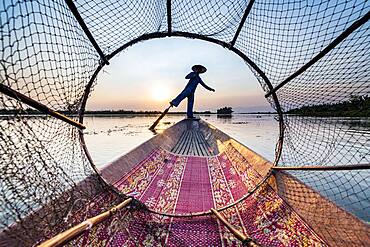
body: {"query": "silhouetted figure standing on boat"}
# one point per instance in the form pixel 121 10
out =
pixel 189 90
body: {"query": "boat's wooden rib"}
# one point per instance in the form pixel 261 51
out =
pixel 184 146
pixel 194 149
pixel 188 144
pixel 197 145
pixel 190 150
pixel 178 145
pixel 203 144
pixel 192 142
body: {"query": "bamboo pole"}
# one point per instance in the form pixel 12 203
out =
pixel 159 118
pixel 77 230
pixel 169 18
pixel 72 7
pixel 37 105
pixel 242 21
pixel 357 24
pixel 322 168
pixel 239 235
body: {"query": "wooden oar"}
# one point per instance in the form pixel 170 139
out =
pixel 160 117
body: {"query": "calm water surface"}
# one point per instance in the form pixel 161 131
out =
pixel 112 136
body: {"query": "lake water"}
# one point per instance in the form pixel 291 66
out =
pixel 108 137
pixel 111 136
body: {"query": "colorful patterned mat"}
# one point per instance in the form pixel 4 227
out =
pixel 171 183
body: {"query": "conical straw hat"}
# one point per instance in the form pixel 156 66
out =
pixel 199 68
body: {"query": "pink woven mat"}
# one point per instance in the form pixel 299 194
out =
pixel 171 183
pixel 191 182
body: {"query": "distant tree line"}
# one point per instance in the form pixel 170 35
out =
pixel 27 111
pixel 225 110
pixel 130 112
pixel 30 111
pixel 356 106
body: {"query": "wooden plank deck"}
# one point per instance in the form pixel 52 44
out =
pixel 192 142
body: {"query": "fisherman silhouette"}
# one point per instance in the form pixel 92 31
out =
pixel 189 90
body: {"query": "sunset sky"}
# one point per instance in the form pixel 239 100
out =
pixel 148 75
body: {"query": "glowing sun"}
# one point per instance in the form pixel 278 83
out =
pixel 160 93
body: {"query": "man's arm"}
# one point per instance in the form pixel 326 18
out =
pixel 205 86
pixel 190 75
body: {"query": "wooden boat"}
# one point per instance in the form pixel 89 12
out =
pixel 194 185
pixel 191 185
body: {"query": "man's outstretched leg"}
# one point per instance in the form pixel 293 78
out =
pixel 176 101
pixel 189 112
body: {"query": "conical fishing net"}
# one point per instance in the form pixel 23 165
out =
pixel 311 59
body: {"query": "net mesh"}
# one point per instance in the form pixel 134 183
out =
pixel 46 55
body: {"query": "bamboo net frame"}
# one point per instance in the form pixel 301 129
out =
pixel 52 52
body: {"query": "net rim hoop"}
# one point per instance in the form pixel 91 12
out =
pixel 157 35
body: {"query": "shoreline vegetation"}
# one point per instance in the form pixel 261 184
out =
pixel 357 106
pixel 119 112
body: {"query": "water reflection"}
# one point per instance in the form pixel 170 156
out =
pixel 108 137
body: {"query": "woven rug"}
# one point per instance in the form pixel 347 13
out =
pixel 172 183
